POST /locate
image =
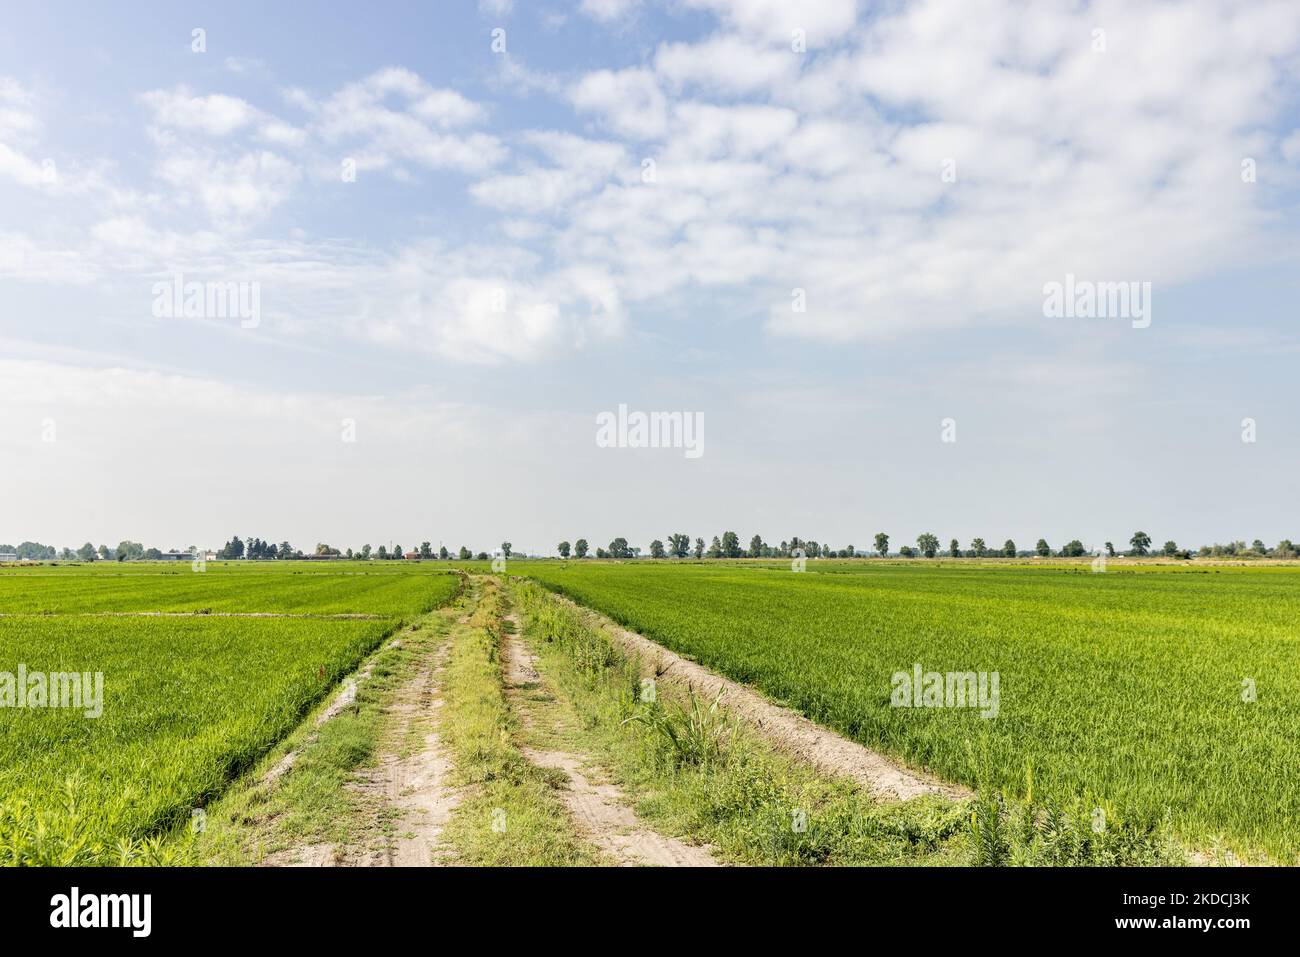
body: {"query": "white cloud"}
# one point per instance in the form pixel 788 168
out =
pixel 238 188
pixel 20 127
pixel 727 63
pixel 819 189
pixel 18 119
pixel 772 172
pixel 607 10
pixel 630 101
pixel 775 20
pixel 580 166
pixel 483 306
pixel 213 115
pixel 361 117
pixel 21 169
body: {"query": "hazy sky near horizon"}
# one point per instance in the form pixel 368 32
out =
pixel 825 227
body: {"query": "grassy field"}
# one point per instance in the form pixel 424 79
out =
pixel 189 699
pixel 1127 688
pixel 1123 690
pixel 373 588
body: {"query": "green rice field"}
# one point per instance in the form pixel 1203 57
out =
pixel 1154 689
pixel 190 697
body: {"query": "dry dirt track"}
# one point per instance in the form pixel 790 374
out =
pixel 414 789
pixel 599 809
pixel 410 792
pixel 794 734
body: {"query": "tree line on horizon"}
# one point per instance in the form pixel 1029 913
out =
pixel 678 546
pixel 728 545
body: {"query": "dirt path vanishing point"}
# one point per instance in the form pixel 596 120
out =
pixel 829 752
pixel 599 809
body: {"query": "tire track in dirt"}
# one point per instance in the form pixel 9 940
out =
pixel 411 792
pixel 791 732
pixel 600 810
pixel 414 789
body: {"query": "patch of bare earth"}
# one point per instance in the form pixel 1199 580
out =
pixel 413 790
pixel 599 809
pixel 410 797
pixel 788 730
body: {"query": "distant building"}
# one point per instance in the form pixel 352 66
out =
pixel 175 557
pixel 8 556
pixel 412 556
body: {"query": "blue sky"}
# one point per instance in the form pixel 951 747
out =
pixel 500 270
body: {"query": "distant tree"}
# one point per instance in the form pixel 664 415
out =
pixel 1284 549
pixel 128 551
pixel 656 549
pixel 1170 548
pixel 1009 549
pixel 679 545
pixel 398 552
pixel 365 552
pixel 731 545
pixel 954 550
pixel 348 553
pixel 1259 547
pixel 1042 548
pixel 465 554
pixel 505 549
pixel 31 551
pixel 979 548
pixel 906 551
pixel 482 556
pixel 381 553
pixel 563 549
pixel 426 549
pixel 882 544
pixel 87 552
pixel 152 554
pixel 756 547
pixel 618 548
pixel 1110 549
pixel 1073 549
pixel 580 548
pixel 699 548
pixel 443 553
pixel 601 553
pixel 715 548
pixel 1140 541
pixel 928 544
pixel 104 554
pixel 850 552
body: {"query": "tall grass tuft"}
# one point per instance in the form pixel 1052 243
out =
pixel 694 735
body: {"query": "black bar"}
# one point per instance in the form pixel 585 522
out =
pixel 880 905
